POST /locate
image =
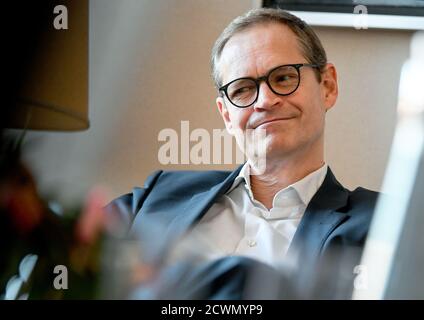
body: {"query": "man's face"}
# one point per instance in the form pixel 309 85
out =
pixel 295 123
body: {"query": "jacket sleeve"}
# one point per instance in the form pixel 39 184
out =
pixel 123 209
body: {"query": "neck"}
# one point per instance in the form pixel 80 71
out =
pixel 282 172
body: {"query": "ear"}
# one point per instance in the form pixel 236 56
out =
pixel 220 103
pixel 329 86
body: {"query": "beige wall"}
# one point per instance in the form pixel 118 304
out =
pixel 149 70
pixel 360 128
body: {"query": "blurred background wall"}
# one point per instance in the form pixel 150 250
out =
pixel 149 70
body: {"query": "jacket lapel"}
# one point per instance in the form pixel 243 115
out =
pixel 320 219
pixel 197 206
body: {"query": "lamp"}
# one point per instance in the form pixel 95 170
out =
pixel 47 72
pixel 54 93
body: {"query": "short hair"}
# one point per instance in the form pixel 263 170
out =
pixel 310 45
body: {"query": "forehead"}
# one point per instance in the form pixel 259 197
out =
pixel 254 51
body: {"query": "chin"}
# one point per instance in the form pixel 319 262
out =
pixel 279 147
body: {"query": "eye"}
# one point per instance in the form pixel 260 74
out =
pixel 242 88
pixel 284 77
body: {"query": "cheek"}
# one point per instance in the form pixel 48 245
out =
pixel 240 117
pixel 314 119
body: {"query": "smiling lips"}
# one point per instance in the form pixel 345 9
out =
pixel 271 120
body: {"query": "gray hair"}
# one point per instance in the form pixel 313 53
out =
pixel 311 46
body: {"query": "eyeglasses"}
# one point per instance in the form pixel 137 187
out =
pixel 282 80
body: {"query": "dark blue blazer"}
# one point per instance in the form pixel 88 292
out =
pixel 172 202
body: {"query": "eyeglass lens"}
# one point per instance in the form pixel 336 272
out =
pixel 283 80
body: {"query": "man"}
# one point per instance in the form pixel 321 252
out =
pixel 272 74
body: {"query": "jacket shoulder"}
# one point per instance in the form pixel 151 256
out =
pixel 164 185
pixel 360 209
pixel 364 198
pixel 174 182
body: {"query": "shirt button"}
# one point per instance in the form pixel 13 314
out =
pixel 252 243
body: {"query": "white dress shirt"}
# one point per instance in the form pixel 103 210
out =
pixel 237 224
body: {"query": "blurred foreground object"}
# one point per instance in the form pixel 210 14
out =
pixel 35 241
pixel 38 237
pixel 393 255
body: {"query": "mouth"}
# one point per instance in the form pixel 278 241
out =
pixel 272 121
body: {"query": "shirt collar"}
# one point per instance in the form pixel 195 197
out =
pixel 244 175
pixel 309 185
pixel 305 188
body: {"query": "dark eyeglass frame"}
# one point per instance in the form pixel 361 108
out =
pixel 265 78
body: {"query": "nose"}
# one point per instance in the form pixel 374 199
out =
pixel 266 98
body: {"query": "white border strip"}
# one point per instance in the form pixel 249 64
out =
pixel 330 19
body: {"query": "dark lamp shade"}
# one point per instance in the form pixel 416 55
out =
pixel 54 95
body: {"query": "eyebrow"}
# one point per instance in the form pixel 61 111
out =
pixel 263 75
